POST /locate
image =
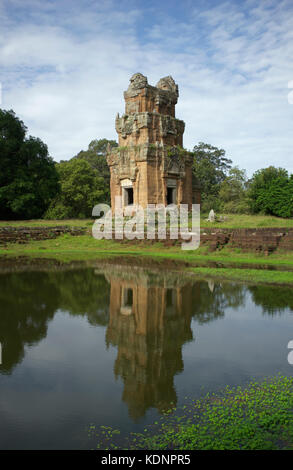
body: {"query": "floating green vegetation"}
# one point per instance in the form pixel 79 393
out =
pixel 255 417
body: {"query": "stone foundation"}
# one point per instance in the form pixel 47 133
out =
pixel 258 240
pixel 26 234
pixel 266 240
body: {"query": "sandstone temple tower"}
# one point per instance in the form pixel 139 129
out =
pixel 150 165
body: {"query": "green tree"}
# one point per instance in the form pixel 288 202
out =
pixel 28 178
pixel 232 192
pixel 210 167
pixel 271 192
pixel 95 155
pixel 81 189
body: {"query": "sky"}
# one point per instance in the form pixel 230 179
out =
pixel 64 65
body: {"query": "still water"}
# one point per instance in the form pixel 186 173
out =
pixel 117 345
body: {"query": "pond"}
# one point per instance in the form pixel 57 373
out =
pixel 118 345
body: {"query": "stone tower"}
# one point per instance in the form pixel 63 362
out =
pixel 150 165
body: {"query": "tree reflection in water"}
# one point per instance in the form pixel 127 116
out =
pixel 147 314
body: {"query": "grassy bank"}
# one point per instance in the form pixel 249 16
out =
pixel 87 223
pixel 256 417
pixel 249 221
pixel 220 264
pixel 247 275
pixel 69 247
pixel 231 221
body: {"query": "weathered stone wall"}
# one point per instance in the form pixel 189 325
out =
pixel 26 234
pixel 141 128
pixel 265 240
pixel 259 240
pixel 141 97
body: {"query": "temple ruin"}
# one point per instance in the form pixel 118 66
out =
pixel 150 165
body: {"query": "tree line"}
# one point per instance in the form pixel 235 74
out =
pixel 32 185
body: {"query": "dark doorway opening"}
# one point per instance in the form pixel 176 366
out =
pixel 169 298
pixel 128 299
pixel 128 196
pixel 170 196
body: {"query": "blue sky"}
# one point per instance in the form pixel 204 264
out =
pixel 65 64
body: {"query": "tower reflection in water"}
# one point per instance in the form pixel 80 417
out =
pixel 150 318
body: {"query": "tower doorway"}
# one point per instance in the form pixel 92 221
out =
pixel 127 196
pixel 171 196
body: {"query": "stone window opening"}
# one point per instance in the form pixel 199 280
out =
pixel 171 195
pixel 128 196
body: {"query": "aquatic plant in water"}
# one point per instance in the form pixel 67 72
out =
pixel 258 416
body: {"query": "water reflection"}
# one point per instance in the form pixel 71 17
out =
pixel 147 316
pixel 149 322
pixel 273 300
pixel 29 301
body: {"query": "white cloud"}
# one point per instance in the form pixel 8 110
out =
pixel 64 75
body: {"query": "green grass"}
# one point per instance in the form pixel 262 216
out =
pixel 85 246
pixel 67 248
pixel 47 223
pixel 256 417
pixel 248 221
pixel 218 264
pixel 233 221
